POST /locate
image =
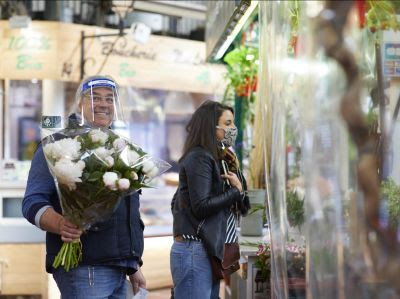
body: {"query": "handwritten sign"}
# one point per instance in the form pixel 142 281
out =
pixel 52 50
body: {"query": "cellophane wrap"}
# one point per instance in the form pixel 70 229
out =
pixel 93 169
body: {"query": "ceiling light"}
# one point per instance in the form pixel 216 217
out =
pixel 238 27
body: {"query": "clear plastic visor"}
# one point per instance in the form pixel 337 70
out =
pixel 98 104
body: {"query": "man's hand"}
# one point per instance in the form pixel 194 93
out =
pixel 68 231
pixel 55 223
pixel 138 281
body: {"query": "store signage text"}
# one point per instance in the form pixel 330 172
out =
pixel 126 71
pixel 27 62
pixel 121 49
pixel 21 43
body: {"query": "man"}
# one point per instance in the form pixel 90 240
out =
pixel 111 249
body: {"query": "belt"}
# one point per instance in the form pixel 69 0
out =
pixel 179 238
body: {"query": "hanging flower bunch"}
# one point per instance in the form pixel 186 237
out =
pixel 380 15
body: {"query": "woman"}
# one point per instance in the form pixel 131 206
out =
pixel 204 204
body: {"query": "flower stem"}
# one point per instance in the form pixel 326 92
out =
pixel 69 255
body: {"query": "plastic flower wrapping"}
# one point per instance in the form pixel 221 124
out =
pixel 94 169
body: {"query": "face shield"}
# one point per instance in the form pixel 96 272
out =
pixel 97 103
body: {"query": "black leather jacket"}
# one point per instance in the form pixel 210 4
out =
pixel 200 205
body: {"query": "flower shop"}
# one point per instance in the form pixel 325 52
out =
pixel 156 107
pixel 320 93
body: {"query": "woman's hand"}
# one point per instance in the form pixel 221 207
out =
pixel 233 180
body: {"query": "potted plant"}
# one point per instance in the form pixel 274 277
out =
pixel 296 270
pixel 253 223
pixel 295 196
pixel 263 263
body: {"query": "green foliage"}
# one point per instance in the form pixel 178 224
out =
pixel 294 208
pixel 381 15
pixel 242 75
pixel 259 207
pixel 255 208
pixel 391 191
pixel 294 25
pixel 241 65
pixel 263 261
pixel 372 120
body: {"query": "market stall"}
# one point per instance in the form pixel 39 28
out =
pixel 162 81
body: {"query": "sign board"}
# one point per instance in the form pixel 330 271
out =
pixel 51 50
pixel 391 59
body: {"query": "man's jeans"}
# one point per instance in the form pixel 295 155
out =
pixel 191 272
pixel 91 282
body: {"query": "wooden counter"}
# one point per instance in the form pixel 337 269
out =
pixel 22 270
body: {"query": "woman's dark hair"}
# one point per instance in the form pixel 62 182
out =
pixel 201 128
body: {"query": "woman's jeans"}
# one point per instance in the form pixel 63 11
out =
pixel 191 271
pixel 91 282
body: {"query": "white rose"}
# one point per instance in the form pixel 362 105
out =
pixel 134 176
pixel 68 173
pixel 98 136
pixel 300 192
pixel 110 161
pixel 102 153
pixel 110 179
pixel 152 173
pixel 123 184
pixel 119 144
pixel 148 166
pixel 66 148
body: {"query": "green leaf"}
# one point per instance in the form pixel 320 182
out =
pixel 94 176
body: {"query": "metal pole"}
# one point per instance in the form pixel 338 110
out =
pixel 383 150
pixel 82 66
pixel 121 26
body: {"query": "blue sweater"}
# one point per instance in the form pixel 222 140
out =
pixel 117 241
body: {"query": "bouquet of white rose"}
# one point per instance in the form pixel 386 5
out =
pixel 93 170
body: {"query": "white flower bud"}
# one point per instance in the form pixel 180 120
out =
pixel 134 176
pixel 148 166
pixel 102 153
pixel 98 136
pixel 110 179
pixel 153 172
pixel 123 184
pixel 110 161
pixel 119 144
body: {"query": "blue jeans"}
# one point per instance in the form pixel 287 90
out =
pixel 91 282
pixel 191 272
